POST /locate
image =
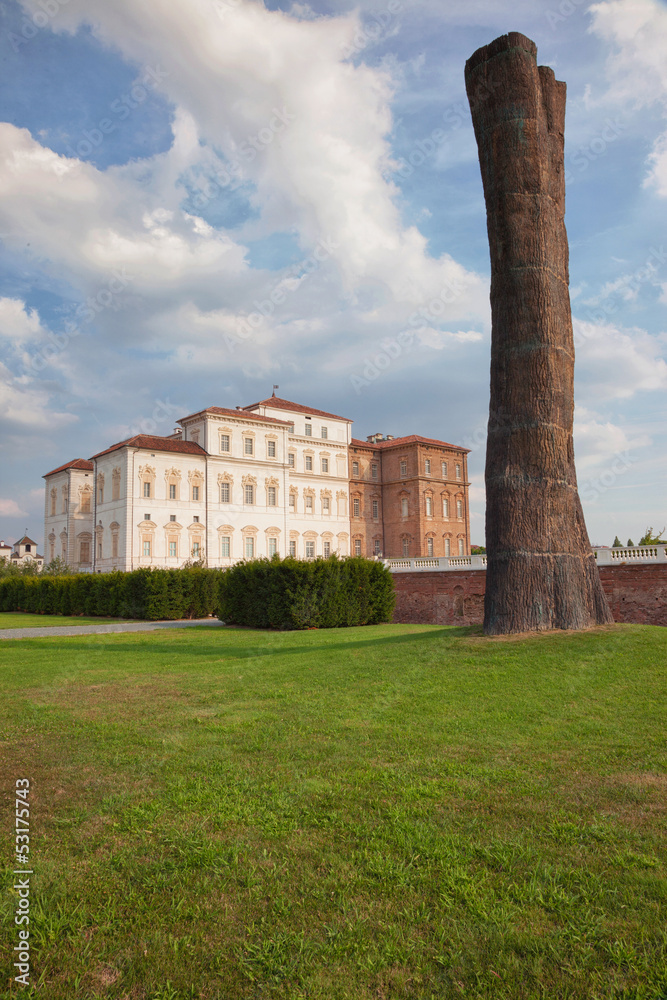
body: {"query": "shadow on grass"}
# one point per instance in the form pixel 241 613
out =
pixel 227 650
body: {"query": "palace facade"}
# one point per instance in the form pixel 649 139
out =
pixel 272 477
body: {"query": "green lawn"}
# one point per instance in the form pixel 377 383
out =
pixel 22 619
pixel 399 811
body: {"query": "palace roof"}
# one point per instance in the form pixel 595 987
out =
pixel 285 404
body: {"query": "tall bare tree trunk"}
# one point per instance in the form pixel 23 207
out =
pixel 541 572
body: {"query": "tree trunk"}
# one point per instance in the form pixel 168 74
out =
pixel 541 571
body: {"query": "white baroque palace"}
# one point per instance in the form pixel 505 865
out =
pixel 229 484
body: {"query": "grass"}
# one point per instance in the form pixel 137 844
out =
pixel 388 812
pixel 23 619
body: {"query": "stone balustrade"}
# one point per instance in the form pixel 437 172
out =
pixel 604 557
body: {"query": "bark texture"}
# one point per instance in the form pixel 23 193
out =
pixel 541 572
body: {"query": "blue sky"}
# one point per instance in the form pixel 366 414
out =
pixel 200 200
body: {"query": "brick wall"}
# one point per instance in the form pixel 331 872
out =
pixel 635 593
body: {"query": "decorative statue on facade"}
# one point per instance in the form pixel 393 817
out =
pixel 541 572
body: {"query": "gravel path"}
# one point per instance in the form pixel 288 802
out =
pixel 32 633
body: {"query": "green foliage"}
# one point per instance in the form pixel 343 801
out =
pixel 146 594
pixel 9 568
pixel 648 538
pixel 617 544
pixel 477 550
pixel 57 567
pixel 630 544
pixel 293 594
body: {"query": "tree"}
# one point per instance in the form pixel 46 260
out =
pixel 630 544
pixel 648 538
pixel 57 567
pixel 541 570
pixel 617 543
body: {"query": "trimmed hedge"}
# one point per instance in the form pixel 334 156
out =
pixel 148 594
pixel 291 594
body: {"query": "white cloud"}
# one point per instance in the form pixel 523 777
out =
pixel 616 363
pixel 10 508
pixel 307 128
pixel 637 68
pixel 597 442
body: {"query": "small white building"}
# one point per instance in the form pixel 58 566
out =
pixel 229 484
pixel 22 553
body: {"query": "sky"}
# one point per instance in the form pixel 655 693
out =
pixel 201 200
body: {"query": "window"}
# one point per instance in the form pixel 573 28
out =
pixel 114 546
pixel 309 463
pixel 458 471
pixel 310 550
pixel 292 502
pixel 325 465
pixel 247 446
pixel 196 518
pixel 249 494
pixel 249 548
pixel 324 433
pixel 172 550
pixel 448 547
pixel 273 546
pixel 309 505
pixel 427 466
pixel 225 546
pixel 459 508
pixel 429 506
pixel 85 552
pixel 406 546
pixel 271 496
pixel 147 517
pixel 429 546
pixel 445 507
pixel 172 517
pixel 271 449
pixel 224 442
pixel 290 460
pixel 195 493
pixel 404 507
pixel 53 502
pixel 100 496
pixel 376 510
pixel 147 548
pixel 196 548
pixel 444 470
pixel 147 489
pixel 224 492
pixel 376 547
pixel 404 469
pixel 355 470
pixel 326 505
pixel 292 549
pixel 374 470
pixel 356 507
pixel 357 546
pixel 85 501
pixel 99 550
pixel 308 430
pixel 326 549
pixel 461 546
pixel 172 491
pixel 115 486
